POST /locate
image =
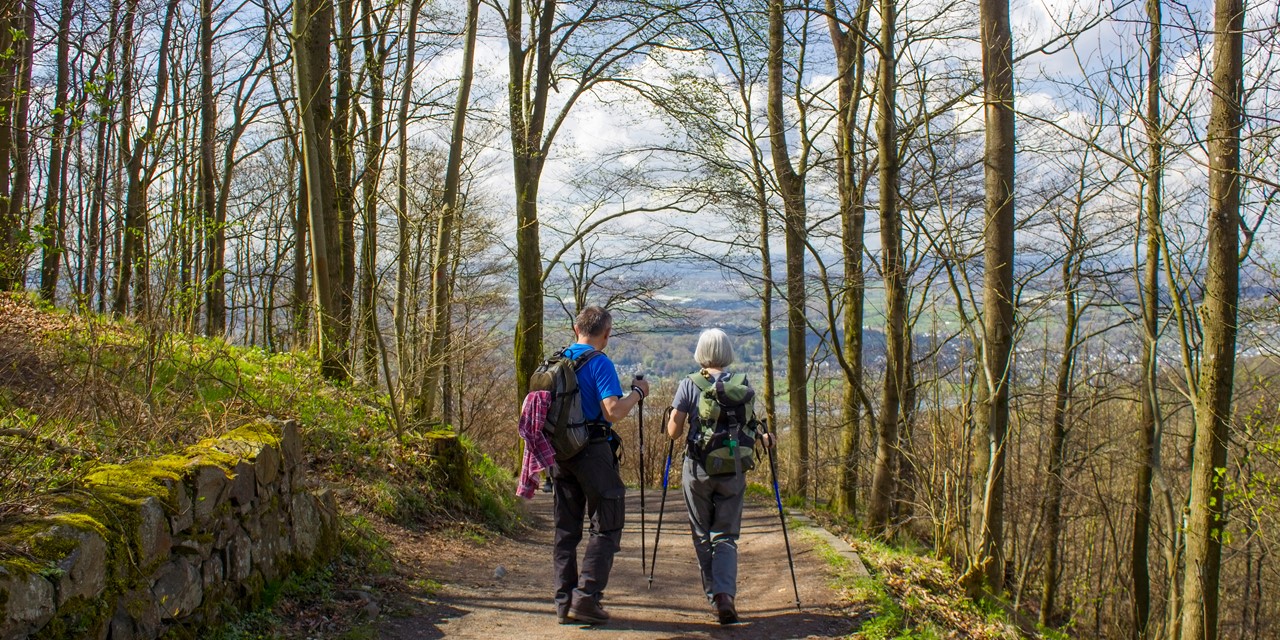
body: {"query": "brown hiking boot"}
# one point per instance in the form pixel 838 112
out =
pixel 723 605
pixel 589 611
pixel 562 614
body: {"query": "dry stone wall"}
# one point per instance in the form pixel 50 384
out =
pixel 163 547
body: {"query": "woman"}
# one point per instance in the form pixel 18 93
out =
pixel 714 501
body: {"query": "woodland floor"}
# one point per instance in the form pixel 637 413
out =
pixel 461 596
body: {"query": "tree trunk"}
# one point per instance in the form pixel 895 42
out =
pixel 214 227
pixel 1207 520
pixel 791 187
pixel 529 89
pixel 766 308
pixel 1058 437
pixel 440 275
pixel 11 258
pixel 301 293
pixel 851 62
pixel 93 288
pixel 884 474
pixel 403 257
pixel 344 195
pixel 313 20
pixel 375 53
pixel 25 23
pixel 54 234
pixel 997 296
pixel 1150 401
pixel 133 253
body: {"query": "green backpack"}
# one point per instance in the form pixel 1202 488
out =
pixel 725 437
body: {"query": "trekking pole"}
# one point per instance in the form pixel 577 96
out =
pixel 666 476
pixel 777 496
pixel 640 430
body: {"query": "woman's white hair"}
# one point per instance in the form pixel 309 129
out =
pixel 714 350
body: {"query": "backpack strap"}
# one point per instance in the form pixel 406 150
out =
pixel 584 357
pixel 702 380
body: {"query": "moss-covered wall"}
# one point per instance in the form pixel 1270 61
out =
pixel 162 546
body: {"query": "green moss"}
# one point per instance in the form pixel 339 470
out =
pixel 79 521
pixel 20 566
pixel 77 618
pixel 140 479
pixel 256 433
pixel 52 546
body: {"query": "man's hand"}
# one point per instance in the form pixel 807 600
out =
pixel 768 440
pixel 642 385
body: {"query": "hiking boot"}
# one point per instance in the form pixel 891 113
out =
pixel 546 485
pixel 562 614
pixel 589 611
pixel 723 605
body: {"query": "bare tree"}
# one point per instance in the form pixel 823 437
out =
pixel 440 281
pixel 791 187
pixel 1206 521
pixel 1150 287
pixel 897 339
pixel 851 179
pixel 54 232
pixel 312 25
pixel 997 293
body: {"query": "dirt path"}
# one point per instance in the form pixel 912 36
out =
pixel 472 601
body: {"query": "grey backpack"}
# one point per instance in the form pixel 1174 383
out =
pixel 565 426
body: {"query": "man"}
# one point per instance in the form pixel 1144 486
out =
pixel 590 479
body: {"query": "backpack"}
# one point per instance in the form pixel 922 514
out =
pixel 724 441
pixel 565 426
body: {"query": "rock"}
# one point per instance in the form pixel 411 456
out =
pixel 244 488
pixel 28 603
pixel 266 467
pixel 83 570
pixel 270 542
pixel 500 572
pixel 121 627
pixel 143 610
pixel 191 547
pixel 370 610
pixel 183 511
pixel 239 556
pixel 154 532
pixel 306 525
pixel 291 446
pixel 211 574
pixel 178 589
pixel 210 484
pixel 327 500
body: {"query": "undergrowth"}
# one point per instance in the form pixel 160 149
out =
pixel 918 596
pixel 77 391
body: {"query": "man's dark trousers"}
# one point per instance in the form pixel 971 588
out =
pixel 588 482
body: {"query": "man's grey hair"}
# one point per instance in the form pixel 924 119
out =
pixel 593 321
pixel 714 350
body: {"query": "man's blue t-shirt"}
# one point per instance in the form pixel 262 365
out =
pixel 598 379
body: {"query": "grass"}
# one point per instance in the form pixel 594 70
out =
pixel 919 597
pixel 80 392
pixel 910 594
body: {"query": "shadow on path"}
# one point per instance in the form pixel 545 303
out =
pixel 502 588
